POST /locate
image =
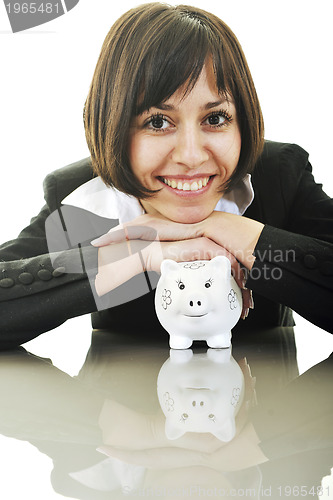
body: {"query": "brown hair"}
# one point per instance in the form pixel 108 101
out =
pixel 149 53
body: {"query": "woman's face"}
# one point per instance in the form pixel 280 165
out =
pixel 186 147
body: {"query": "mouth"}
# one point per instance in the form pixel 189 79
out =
pixel 199 388
pixel 187 185
pixel 195 315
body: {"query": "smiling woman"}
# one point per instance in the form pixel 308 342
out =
pixel 163 50
pixel 188 154
pixel 179 169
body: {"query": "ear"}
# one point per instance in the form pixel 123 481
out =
pixel 222 263
pixel 168 265
pixel 227 432
pixel 173 432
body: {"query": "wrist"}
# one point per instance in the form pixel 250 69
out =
pixel 113 273
pixel 236 233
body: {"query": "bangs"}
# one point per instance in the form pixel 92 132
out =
pixel 180 51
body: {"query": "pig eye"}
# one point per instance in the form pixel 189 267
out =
pixel 181 285
pixel 208 283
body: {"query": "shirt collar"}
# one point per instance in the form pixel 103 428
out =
pixel 108 202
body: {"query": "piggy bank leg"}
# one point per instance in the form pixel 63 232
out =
pixel 177 342
pixel 221 341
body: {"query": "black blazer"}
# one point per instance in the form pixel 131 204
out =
pixel 43 283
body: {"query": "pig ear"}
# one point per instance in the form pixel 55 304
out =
pixel 223 264
pixel 227 432
pixel 168 265
pixel 171 431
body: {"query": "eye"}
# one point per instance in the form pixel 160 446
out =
pixel 218 119
pixel 184 416
pixel 157 123
pixel 181 285
pixel 208 283
pixel 211 416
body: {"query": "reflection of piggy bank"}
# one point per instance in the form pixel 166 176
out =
pixel 198 300
pixel 200 393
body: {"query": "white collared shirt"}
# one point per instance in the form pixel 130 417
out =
pixel 108 202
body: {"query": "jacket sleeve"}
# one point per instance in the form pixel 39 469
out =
pixel 294 259
pixel 37 292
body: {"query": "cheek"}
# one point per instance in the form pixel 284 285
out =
pixel 228 152
pixel 145 154
pixel 136 154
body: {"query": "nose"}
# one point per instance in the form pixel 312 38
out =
pixel 190 148
pixel 196 305
pixel 198 404
pixel 198 302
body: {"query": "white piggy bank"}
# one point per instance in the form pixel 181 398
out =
pixel 200 393
pixel 198 300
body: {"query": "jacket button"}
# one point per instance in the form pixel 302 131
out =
pixel 44 275
pixel 310 261
pixel 7 283
pixel 327 269
pixel 25 278
pixel 59 271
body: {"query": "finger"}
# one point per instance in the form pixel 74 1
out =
pixel 246 296
pixel 237 271
pixel 193 249
pixel 147 227
pixel 119 234
pixel 240 278
pixel 251 300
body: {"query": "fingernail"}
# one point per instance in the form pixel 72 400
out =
pixel 99 241
pixel 245 314
pixel 251 301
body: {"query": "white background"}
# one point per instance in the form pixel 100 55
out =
pixel 45 77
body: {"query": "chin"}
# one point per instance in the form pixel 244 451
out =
pixel 189 215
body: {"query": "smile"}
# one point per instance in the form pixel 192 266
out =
pixel 187 184
pixel 195 315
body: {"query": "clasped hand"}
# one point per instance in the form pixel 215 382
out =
pixel 158 238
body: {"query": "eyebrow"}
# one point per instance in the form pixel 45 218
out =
pixel 209 105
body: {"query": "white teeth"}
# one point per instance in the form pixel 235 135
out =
pixel 186 186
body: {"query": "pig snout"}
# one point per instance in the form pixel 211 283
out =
pixel 195 305
pixel 199 400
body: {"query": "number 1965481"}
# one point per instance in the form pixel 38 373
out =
pixel 302 491
pixel 33 8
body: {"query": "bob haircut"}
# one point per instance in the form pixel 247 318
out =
pixel 148 54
